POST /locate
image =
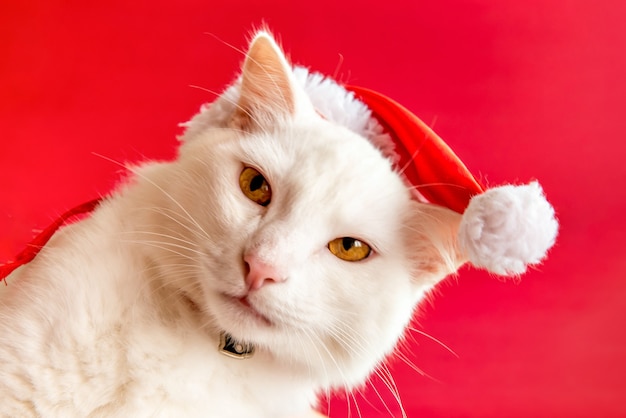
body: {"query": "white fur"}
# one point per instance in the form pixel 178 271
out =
pixel 120 314
pixel 508 228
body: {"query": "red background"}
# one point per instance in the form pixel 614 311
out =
pixel 521 90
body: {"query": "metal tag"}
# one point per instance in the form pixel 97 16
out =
pixel 233 348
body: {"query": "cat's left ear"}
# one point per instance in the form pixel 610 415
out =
pixel 433 245
pixel 503 230
pixel 269 93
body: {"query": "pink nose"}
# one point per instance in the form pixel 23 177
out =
pixel 260 273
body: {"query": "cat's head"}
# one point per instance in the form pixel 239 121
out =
pixel 307 241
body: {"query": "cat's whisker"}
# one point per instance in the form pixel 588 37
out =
pixel 231 46
pixel 170 244
pixel 347 392
pixel 350 393
pixel 158 187
pixel 433 122
pixel 350 398
pixel 164 280
pixel 298 338
pixel 425 334
pixel 162 275
pixel 207 90
pixel 348 341
pixel 181 271
pixel 331 356
pixel 162 265
pixel 436 184
pixel 409 162
pixel 358 349
pixel 235 104
pixel 155 244
pixel 377 372
pixel 175 287
pixel 405 359
pixel 431 184
pixel 394 389
pixel 317 351
pixel 338 67
pixel 190 245
pixel 163 211
pixel 303 332
pixel 389 387
pixel 356 404
pixel 172 230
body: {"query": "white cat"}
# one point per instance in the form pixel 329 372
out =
pixel 280 235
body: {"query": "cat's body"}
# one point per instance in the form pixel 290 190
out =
pixel 121 314
pixel 102 338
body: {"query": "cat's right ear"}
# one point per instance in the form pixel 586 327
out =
pixel 268 92
pixel 433 243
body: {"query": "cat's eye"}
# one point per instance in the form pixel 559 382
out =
pixel 349 249
pixel 255 187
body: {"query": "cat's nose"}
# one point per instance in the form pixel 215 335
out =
pixel 260 273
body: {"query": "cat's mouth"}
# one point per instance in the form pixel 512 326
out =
pixel 245 306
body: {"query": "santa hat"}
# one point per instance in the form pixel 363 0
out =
pixel 503 229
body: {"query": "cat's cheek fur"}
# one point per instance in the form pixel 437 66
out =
pixel 362 333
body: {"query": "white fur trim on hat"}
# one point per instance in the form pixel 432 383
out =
pixel 507 228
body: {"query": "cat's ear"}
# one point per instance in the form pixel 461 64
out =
pixel 503 230
pixel 268 92
pixel 433 243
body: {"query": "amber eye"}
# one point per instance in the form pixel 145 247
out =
pixel 349 249
pixel 255 187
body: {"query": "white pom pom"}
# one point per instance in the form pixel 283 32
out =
pixel 508 228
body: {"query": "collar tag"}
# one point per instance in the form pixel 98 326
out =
pixel 233 348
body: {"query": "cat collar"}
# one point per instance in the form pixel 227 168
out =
pixel 230 347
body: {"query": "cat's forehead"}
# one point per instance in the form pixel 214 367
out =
pixel 325 170
pixel 304 153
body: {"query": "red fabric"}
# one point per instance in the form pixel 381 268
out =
pixel 426 160
pixel 33 247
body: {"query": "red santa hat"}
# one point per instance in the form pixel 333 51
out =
pixel 503 229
